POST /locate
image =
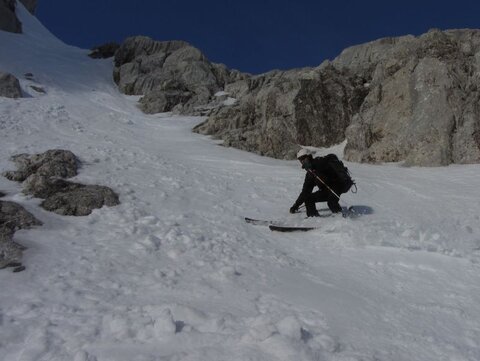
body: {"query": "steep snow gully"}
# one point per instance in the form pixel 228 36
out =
pixel 174 272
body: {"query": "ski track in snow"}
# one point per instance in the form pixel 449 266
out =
pixel 174 273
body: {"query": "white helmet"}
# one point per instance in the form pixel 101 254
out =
pixel 303 152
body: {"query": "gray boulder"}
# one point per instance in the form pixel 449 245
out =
pixel 74 199
pixel 42 176
pixel 172 75
pixel 12 218
pixel 15 217
pixel 52 163
pixel 9 86
pixel 10 251
pixel 41 186
pixel 8 20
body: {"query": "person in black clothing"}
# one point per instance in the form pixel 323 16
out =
pixel 317 167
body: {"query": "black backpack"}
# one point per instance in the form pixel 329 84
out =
pixel 342 173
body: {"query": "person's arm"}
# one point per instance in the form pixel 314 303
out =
pixel 307 188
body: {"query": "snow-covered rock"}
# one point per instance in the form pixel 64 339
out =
pixel 52 163
pixel 75 199
pixel 41 176
pixel 9 86
pixel 13 217
pixel 8 19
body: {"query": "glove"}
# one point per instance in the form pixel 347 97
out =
pixel 293 209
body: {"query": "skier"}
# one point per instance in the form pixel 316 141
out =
pixel 319 169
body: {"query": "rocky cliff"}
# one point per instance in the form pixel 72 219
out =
pixel 423 100
pixel 8 19
pixel 30 5
pixel 279 110
pixel 411 99
pixel 171 75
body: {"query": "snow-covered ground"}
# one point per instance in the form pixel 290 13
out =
pixel 174 272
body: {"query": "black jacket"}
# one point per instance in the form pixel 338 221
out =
pixel 321 168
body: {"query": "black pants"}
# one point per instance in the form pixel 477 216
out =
pixel 323 195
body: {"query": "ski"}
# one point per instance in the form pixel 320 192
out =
pixel 352 212
pixel 290 228
pixel 259 222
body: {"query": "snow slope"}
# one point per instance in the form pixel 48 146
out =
pixel 174 272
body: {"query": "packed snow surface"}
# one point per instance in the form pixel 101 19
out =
pixel 174 272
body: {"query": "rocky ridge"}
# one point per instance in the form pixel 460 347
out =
pixel 281 109
pixel 30 5
pixel 8 18
pixel 407 99
pixel 422 105
pixel 104 51
pixel 171 75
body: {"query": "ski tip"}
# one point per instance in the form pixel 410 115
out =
pixel 290 229
pixel 257 221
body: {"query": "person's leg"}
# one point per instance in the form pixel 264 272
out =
pixel 319 196
pixel 333 204
pixel 311 209
pixel 323 195
pixel 333 200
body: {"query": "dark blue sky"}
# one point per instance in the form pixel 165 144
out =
pixel 254 36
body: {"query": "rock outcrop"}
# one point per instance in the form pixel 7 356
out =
pixel 74 199
pixel 411 99
pixel 422 107
pixel 8 18
pixel 53 163
pixel 9 86
pixel 171 75
pixel 104 51
pixel 279 110
pixel 30 5
pixel 12 218
pixel 43 177
pixel 407 99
